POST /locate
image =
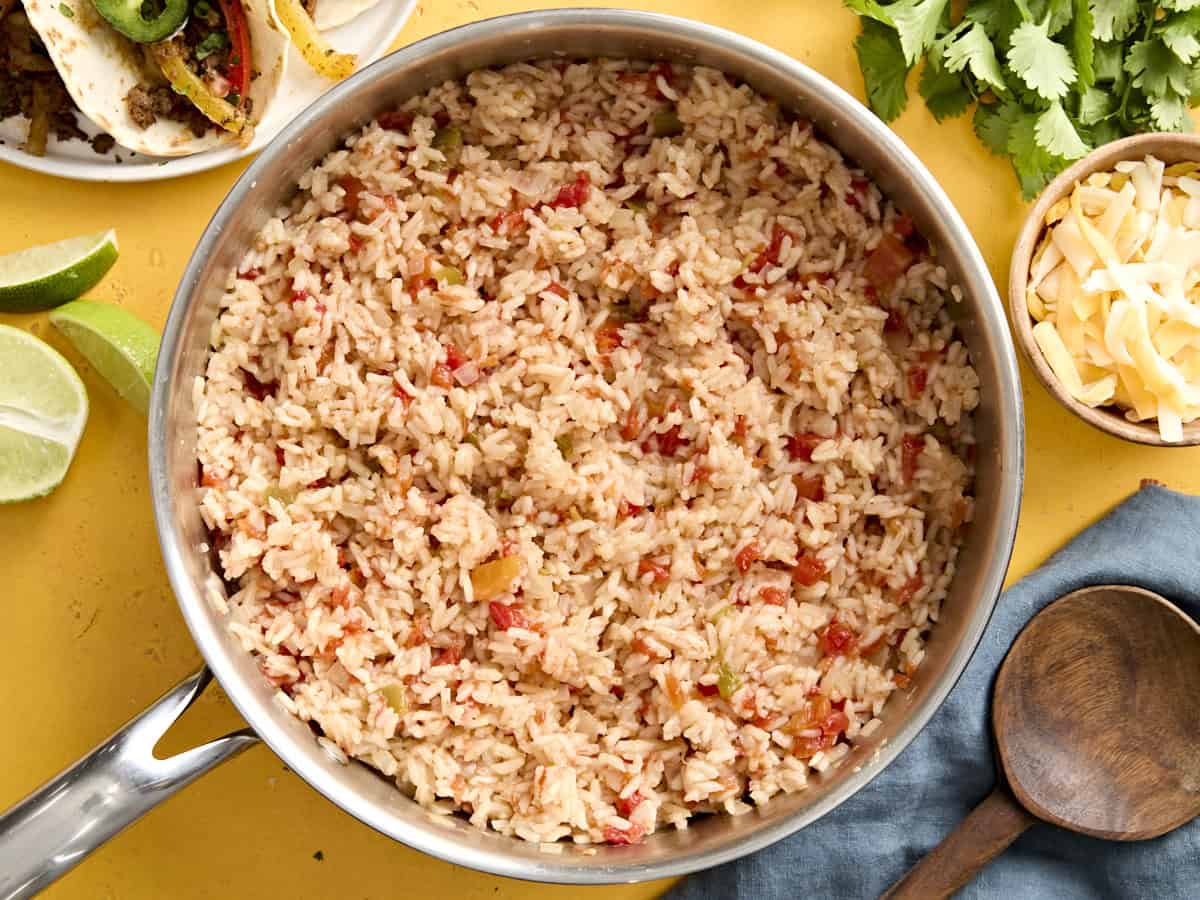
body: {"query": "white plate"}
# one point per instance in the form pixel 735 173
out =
pixel 369 35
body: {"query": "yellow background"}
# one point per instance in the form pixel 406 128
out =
pixel 92 634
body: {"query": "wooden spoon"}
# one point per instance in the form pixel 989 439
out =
pixel 1096 712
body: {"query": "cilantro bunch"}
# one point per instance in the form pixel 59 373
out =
pixel 1051 79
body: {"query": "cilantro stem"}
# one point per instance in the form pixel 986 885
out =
pixel 1149 11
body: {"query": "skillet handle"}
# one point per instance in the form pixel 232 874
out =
pixel 45 835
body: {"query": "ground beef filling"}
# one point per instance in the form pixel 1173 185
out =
pixel 26 70
pixel 149 103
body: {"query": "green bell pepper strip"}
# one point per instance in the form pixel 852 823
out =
pixel 140 22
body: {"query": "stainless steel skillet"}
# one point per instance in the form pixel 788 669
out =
pixel 66 819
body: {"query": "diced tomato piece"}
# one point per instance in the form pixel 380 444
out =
pixel 911 447
pixel 918 378
pixel 887 262
pixel 707 690
pixel 441 118
pixel 858 192
pixel 575 194
pixel 770 253
pixel 448 656
pixel 298 297
pixel 395 120
pixel 353 188
pixel 442 375
pixel 608 339
pixel 558 289
pixel 801 446
pixel 356 243
pixel 505 616
pixel 659 574
pixel 669 441
pixel 747 556
pixel 454 357
pixel 625 509
pixel 419 635
pixel 808 746
pixel 617 691
pixel 835 723
pixel 903 226
pixel 773 596
pixel 837 639
pixel 739 426
pixel 808 570
pixel 910 588
pixel 249 274
pixel 632 427
pixel 626 805
pixel 623 836
pixel 259 390
pixel 279 456
pixel 809 487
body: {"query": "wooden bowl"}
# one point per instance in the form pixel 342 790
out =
pixel 1170 148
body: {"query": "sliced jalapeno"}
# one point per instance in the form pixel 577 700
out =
pixel 144 21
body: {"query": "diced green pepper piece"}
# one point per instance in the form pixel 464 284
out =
pixel 727 681
pixel 450 275
pixel 396 696
pixel 666 123
pixel 566 446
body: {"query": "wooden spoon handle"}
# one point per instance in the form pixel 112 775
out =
pixel 979 838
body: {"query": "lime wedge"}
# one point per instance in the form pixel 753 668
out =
pixel 51 274
pixel 43 408
pixel 121 346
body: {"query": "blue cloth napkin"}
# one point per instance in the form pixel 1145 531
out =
pixel 1152 540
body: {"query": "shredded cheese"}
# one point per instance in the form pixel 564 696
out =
pixel 1114 290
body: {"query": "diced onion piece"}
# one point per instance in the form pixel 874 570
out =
pixel 311 43
pixel 491 579
pixel 467 374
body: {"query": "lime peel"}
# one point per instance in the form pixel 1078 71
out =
pixel 119 345
pixel 43 409
pixel 49 275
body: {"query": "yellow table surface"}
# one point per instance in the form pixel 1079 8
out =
pixel 93 634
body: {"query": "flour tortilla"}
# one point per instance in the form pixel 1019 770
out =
pixel 332 13
pixel 99 66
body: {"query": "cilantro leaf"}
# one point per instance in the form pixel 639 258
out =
pixel 1179 34
pixel 1043 64
pixel 1106 132
pixel 993 124
pixel 883 69
pixel 1156 70
pixel 869 9
pixel 1055 13
pixel 973 49
pixel 1083 46
pixel 998 18
pixel 1108 62
pixel 1034 165
pixel 1056 134
pixel 1095 105
pixel 1113 18
pixel 917 23
pixel 943 90
pixel 1169 112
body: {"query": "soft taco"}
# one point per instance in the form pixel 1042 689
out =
pixel 166 77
